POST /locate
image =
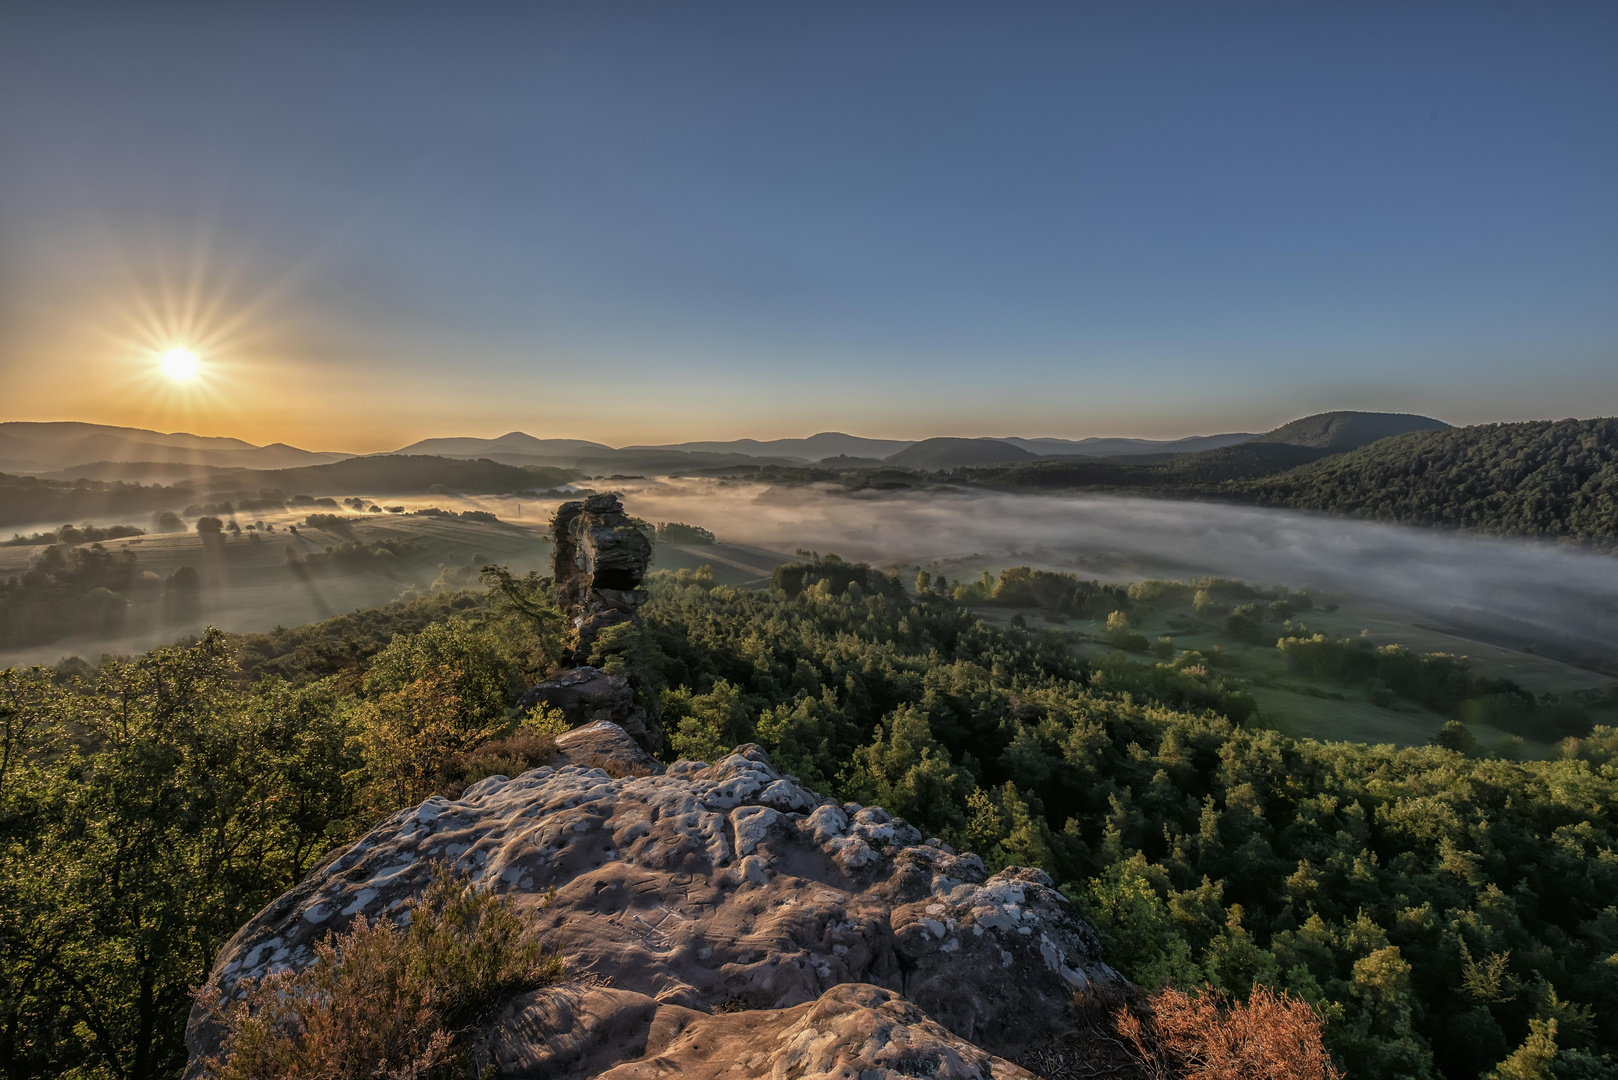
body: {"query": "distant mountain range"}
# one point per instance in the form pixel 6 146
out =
pixel 826 444
pixel 27 447
pixel 512 443
pixel 1094 447
pixel 94 451
pixel 947 453
pixel 834 448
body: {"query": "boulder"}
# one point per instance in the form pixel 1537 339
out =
pixel 585 695
pixel 852 1030
pixel 720 919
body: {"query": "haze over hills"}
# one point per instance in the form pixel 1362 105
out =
pixel 1098 447
pixel 512 443
pixel 70 450
pixel 1225 456
pixel 32 447
pixel 816 447
pixel 948 453
pixel 831 447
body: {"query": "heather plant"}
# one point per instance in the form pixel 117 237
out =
pixel 384 999
pixel 526 748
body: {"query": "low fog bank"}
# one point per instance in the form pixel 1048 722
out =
pixel 1483 584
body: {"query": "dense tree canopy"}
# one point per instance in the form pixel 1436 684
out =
pixel 1445 912
pixel 1554 479
pixel 1547 479
pixel 1371 880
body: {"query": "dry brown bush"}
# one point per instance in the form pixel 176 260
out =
pixel 1207 1036
pixel 383 1002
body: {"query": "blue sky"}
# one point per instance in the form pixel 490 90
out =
pixel 640 223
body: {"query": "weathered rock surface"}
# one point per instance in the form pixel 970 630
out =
pixel 853 1030
pixel 585 695
pixel 724 920
pixel 600 559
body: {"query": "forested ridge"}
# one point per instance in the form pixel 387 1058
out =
pixel 1444 911
pixel 1543 479
pixel 1551 479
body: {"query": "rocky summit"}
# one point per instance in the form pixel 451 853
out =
pixel 716 920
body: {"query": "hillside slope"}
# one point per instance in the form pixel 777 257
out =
pixel 1100 447
pixel 1542 478
pixel 949 453
pixel 1549 479
pixel 399 474
pixel 816 447
pixel 512 442
pixel 1339 431
pixel 32 447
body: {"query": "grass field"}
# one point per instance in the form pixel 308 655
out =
pixel 1315 708
pixel 247 583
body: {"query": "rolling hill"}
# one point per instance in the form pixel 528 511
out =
pixel 1096 447
pixel 1543 478
pixel 397 474
pixel 817 447
pixel 39 447
pixel 949 453
pixel 1338 431
pixel 833 448
pixel 513 443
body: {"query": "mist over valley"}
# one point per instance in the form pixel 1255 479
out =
pixel 808 540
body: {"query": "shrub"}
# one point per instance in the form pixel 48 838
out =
pixel 795 578
pixel 1206 1036
pixel 518 752
pixel 383 1000
pixel 678 532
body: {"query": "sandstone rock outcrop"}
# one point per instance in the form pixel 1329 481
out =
pixel 585 695
pixel 723 920
pixel 600 558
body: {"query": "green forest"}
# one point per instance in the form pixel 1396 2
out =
pixel 1440 906
pixel 1554 479
pixel 1543 479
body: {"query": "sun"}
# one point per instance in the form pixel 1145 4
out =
pixel 180 365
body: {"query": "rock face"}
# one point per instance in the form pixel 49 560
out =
pixel 588 694
pixel 723 920
pixel 600 560
pixel 601 557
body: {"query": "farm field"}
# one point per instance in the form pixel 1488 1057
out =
pixel 257 581
pixel 285 572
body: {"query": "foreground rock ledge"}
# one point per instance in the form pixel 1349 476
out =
pixel 723 921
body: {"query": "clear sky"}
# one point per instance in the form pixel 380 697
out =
pixel 644 223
